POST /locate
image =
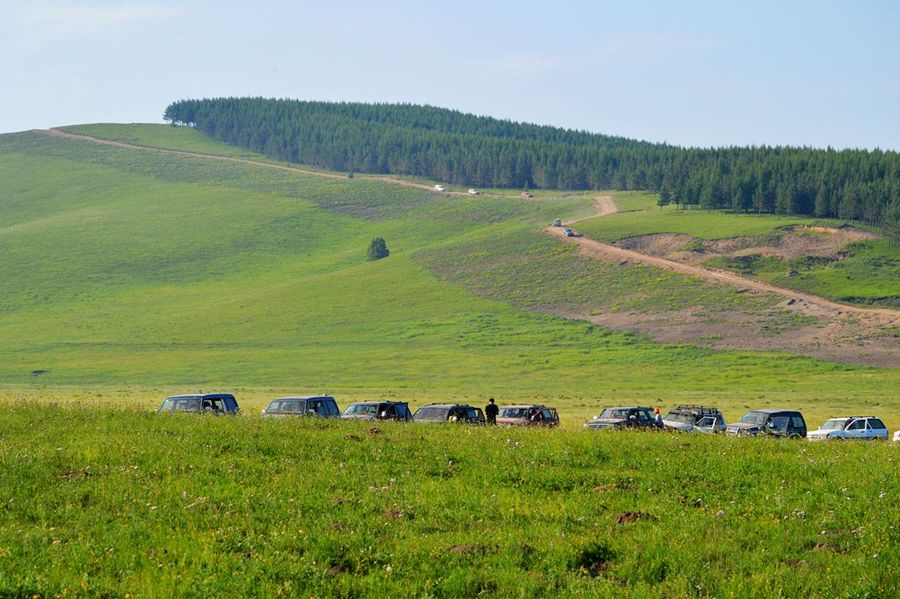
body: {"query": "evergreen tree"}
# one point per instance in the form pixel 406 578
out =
pixel 378 249
pixel 481 151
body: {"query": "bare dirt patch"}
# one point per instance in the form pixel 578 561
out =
pixel 797 242
pixel 658 244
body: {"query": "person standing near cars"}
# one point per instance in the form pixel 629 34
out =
pixel 491 410
pixel 657 417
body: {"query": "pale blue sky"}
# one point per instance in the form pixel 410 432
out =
pixel 689 73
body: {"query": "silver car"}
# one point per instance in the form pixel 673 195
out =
pixel 695 419
pixel 850 427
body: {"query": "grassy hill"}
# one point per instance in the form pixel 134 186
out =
pixel 126 275
pixel 130 268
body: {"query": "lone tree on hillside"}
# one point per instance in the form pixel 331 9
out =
pixel 378 249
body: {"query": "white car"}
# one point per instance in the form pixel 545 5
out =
pixel 474 192
pixel 850 427
pixel 439 188
pixel 896 436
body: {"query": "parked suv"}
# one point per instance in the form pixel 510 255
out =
pixel 378 410
pixel 777 423
pixel 696 419
pixel 527 415
pixel 315 405
pixel 851 427
pixel 461 413
pixel 201 403
pixel 626 417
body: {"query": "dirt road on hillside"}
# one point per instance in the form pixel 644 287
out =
pixel 282 167
pixel 853 334
pixel 590 247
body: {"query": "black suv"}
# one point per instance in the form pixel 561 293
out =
pixel 460 413
pixel 378 410
pixel 777 423
pixel 201 403
pixel 314 405
pixel 625 417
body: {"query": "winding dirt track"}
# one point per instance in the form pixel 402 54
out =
pixel 606 205
pixel 281 167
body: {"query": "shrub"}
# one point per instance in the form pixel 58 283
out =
pixel 378 249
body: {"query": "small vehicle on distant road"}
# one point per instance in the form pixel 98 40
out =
pixel 776 423
pixel 850 427
pixel 201 403
pixel 557 222
pixel 378 410
pixel 624 417
pixel 695 419
pixel 439 188
pixel 896 436
pixel 474 192
pixel 569 232
pixel 458 413
pixel 527 415
pixel 322 406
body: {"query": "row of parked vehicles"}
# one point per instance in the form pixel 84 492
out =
pixel 684 418
pixel 775 423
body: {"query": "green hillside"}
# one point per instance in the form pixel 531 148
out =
pixel 127 274
pixel 130 268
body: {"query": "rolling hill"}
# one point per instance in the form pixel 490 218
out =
pixel 139 260
pixel 156 269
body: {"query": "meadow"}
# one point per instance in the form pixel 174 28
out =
pixel 126 276
pixel 115 502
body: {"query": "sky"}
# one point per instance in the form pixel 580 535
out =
pixel 820 74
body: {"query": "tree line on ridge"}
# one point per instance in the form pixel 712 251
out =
pixel 450 146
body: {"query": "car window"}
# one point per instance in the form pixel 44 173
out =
pixel 876 423
pixel 614 413
pixel 547 415
pixel 643 416
pixel 706 421
pixel 856 425
pixel 778 422
pixel 757 418
pixel 797 421
pixel 431 413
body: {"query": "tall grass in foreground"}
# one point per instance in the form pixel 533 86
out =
pixel 113 502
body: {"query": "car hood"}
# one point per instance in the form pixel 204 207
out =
pixel 605 422
pixel 743 427
pixel 678 425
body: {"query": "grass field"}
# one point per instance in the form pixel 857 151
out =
pixel 126 276
pixel 703 224
pixel 107 502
